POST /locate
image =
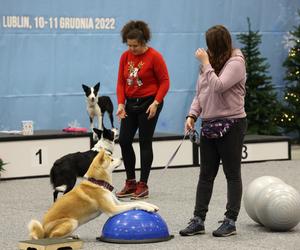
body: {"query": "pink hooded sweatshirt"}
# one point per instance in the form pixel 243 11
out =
pixel 221 96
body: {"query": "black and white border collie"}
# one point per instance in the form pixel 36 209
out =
pixel 64 172
pixel 97 106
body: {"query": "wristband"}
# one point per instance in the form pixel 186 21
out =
pixel 191 116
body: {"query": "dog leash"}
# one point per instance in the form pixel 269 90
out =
pixel 191 134
pixel 172 157
pixel 176 151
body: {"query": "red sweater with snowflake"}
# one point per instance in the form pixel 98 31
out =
pixel 142 75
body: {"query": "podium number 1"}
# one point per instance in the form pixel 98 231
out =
pixel 39 153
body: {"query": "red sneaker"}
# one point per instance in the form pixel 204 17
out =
pixel 141 192
pixel 128 190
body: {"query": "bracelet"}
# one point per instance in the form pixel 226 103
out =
pixel 191 116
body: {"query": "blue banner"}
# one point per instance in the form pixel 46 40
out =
pixel 50 48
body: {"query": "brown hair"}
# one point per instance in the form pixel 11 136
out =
pixel 219 44
pixel 138 30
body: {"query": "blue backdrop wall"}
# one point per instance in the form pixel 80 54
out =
pixel 49 48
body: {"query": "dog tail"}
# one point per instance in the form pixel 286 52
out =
pixel 61 188
pixel 36 230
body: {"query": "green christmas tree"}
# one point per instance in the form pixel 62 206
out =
pixel 289 119
pixel 261 101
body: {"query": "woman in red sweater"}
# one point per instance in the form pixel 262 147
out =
pixel 143 82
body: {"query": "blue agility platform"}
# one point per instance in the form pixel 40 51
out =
pixel 135 226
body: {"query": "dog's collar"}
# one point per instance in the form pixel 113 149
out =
pixel 102 183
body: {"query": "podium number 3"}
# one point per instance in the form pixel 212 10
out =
pixel 39 154
pixel 244 152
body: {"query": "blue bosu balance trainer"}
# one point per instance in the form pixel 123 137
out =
pixel 135 226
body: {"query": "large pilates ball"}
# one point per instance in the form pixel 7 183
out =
pixel 253 189
pixel 278 207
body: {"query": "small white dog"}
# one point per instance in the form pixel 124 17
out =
pixel 97 106
pixel 85 202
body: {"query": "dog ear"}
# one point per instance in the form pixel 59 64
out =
pixel 98 132
pixel 97 86
pixel 100 156
pixel 85 88
pixel 96 163
pixel 108 134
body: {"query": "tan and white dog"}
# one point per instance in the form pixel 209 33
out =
pixel 85 202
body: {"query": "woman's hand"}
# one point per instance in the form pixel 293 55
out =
pixel 121 113
pixel 189 124
pixel 151 111
pixel 202 56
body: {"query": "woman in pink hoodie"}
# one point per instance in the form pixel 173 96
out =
pixel 219 102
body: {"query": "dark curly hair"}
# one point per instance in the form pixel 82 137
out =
pixel 138 30
pixel 219 44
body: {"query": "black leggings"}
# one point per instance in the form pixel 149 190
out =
pixel 138 121
pixel 229 150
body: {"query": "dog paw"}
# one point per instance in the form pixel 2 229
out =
pixel 152 209
pixel 149 207
pixel 74 237
pixel 156 208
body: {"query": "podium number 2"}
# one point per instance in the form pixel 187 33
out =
pixel 39 154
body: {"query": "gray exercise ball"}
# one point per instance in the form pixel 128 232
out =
pixel 278 207
pixel 251 192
